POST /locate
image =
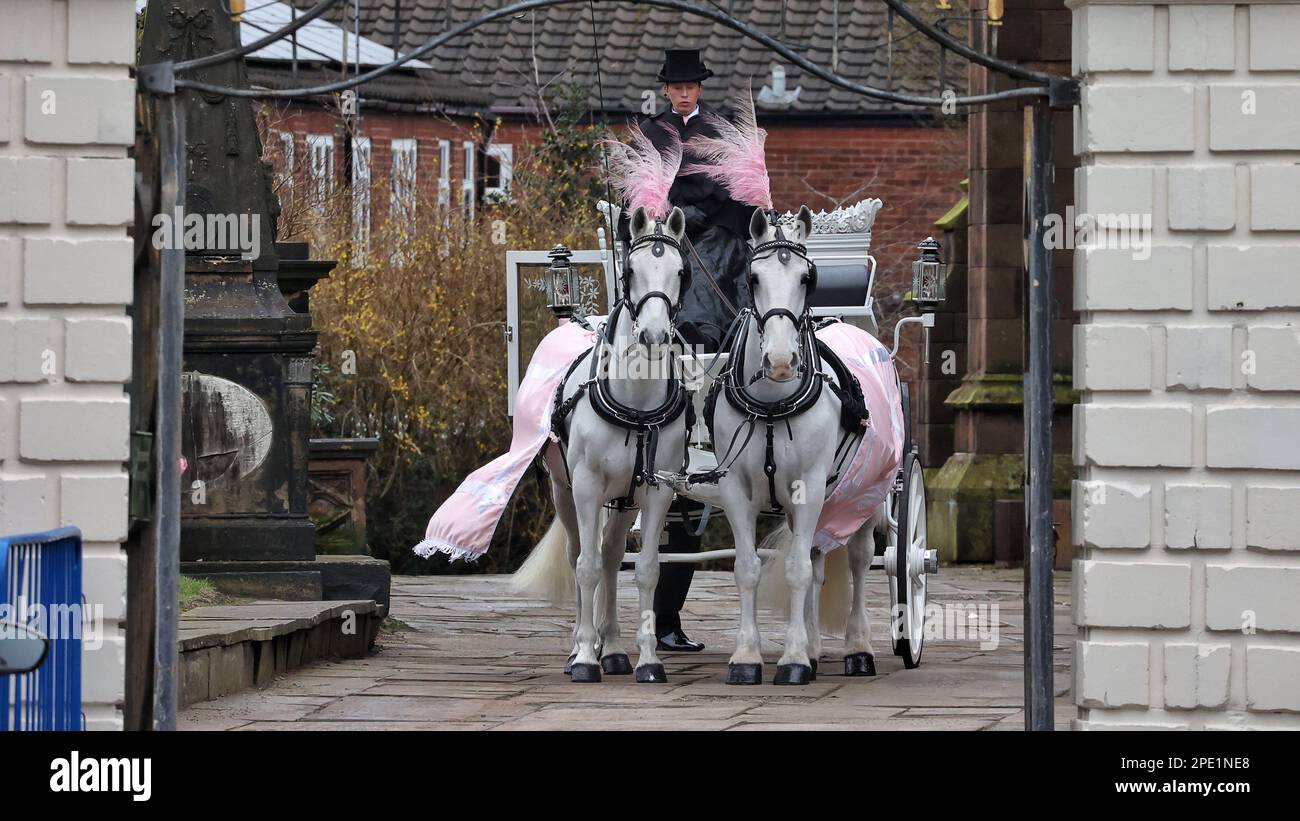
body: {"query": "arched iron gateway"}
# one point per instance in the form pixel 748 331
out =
pixel 161 83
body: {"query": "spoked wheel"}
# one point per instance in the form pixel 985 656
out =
pixel 908 561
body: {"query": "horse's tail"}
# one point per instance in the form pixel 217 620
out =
pixel 773 591
pixel 839 572
pixel 546 573
pixel 836 595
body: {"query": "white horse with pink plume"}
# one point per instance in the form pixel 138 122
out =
pixel 606 406
pixel 806 422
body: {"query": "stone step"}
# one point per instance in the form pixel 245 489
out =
pixel 227 648
pixel 283 585
pixel 325 577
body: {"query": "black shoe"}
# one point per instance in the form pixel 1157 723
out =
pixel 677 642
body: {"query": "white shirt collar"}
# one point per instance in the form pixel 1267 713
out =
pixel 687 118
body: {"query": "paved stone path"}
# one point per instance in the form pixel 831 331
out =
pixel 478 657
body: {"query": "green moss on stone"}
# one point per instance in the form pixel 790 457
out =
pixel 955 217
pixel 961 496
pixel 1007 390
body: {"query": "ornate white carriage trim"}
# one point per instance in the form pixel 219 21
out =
pixel 853 219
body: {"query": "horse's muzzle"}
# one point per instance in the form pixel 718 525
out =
pixel 652 338
pixel 783 369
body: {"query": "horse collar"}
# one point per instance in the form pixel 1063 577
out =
pixel 804 397
pixel 615 412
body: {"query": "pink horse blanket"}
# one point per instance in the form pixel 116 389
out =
pixel 463 526
pixel 866 480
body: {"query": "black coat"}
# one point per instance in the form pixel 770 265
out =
pixel 717 226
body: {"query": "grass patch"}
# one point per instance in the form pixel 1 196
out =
pixel 201 593
pixel 391 625
pixel 196 593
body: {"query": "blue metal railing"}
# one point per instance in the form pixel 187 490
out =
pixel 40 586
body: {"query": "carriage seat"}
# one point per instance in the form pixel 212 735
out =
pixel 846 272
pixel 844 289
pixel 842 285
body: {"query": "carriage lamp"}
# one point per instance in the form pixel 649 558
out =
pixel 928 275
pixel 561 283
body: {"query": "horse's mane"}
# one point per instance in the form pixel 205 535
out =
pixel 735 157
pixel 642 173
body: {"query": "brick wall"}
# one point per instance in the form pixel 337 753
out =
pixel 915 171
pixel 1188 502
pixel 67 110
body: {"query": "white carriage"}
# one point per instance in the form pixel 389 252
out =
pixel 840 245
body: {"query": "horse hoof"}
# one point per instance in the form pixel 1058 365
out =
pixel 568 664
pixel 813 662
pixel 793 674
pixel 616 665
pixel 744 673
pixel 586 673
pixel 651 674
pixel 860 664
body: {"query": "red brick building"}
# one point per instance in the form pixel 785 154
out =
pixel 458 124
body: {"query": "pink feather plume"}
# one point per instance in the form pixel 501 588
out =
pixel 642 173
pixel 735 157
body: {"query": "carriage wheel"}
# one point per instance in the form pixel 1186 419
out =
pixel 908 561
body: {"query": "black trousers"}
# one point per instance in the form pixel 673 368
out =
pixel 675 578
pixel 703 320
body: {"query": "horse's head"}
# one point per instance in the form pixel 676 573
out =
pixel 780 276
pixel 655 275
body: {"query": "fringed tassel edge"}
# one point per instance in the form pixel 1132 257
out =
pixel 825 543
pixel 428 547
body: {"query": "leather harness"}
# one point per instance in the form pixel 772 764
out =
pixel 854 415
pixel 645 424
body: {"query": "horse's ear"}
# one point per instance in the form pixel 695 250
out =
pixel 677 223
pixel 804 221
pixel 758 225
pixel 640 221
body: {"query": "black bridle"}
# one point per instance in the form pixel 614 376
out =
pixel 656 239
pixel 784 248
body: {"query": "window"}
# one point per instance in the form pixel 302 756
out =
pixel 286 167
pixel 402 201
pixel 444 173
pixel 497 163
pixel 467 185
pixel 361 196
pixel 320 150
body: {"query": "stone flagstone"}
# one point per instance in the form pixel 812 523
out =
pixel 477 657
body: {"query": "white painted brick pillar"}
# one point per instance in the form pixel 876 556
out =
pixel 1187 507
pixel 66 122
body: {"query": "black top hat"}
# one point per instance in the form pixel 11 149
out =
pixel 683 65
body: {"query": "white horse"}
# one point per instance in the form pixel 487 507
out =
pixel 618 426
pixel 774 358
